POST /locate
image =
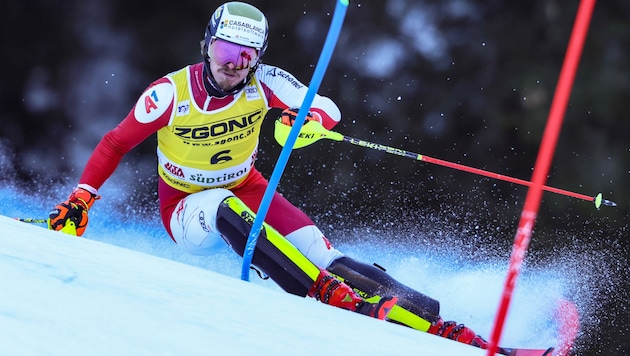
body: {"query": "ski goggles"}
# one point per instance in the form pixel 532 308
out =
pixel 224 52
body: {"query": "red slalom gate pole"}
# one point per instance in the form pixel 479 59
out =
pixel 543 161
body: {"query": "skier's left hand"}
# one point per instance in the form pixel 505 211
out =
pixel 289 115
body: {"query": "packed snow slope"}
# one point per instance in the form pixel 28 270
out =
pixel 126 288
pixel 71 296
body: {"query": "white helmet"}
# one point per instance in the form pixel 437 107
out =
pixel 239 23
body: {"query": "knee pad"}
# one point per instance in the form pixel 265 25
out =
pixel 314 245
pixel 194 221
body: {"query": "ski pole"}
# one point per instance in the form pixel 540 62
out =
pixel 32 220
pixel 69 227
pixel 313 131
pixel 320 69
pixel 541 168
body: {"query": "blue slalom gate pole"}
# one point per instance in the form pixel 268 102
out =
pixel 320 70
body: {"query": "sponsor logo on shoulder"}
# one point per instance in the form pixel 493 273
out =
pixel 153 103
pixel 275 72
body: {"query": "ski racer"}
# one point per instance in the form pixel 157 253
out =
pixel 207 117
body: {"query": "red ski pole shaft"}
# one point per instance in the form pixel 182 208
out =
pixel 543 161
pixel 400 152
pixel 502 177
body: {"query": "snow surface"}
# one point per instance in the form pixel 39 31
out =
pixel 73 296
pixel 126 288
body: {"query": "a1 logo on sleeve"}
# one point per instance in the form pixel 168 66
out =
pixel 153 103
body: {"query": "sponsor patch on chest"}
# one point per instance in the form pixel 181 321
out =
pixel 251 93
pixel 183 108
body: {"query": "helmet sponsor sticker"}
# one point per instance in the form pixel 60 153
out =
pixel 217 15
pixel 153 103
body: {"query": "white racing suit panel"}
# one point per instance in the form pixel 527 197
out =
pixel 193 222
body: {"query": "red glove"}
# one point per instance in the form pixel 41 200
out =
pixel 71 216
pixel 289 115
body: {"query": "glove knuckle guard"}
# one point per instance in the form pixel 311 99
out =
pixel 289 115
pixel 74 210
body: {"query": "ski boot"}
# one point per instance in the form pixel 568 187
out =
pixel 329 290
pixel 458 332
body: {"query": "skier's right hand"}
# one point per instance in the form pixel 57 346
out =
pixel 71 216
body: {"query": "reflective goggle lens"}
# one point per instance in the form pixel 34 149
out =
pixel 224 52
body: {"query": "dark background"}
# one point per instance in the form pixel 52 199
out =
pixel 464 81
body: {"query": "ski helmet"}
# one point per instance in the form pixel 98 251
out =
pixel 239 23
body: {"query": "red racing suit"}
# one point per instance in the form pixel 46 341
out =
pixel 208 142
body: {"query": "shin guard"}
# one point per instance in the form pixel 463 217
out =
pixel 274 255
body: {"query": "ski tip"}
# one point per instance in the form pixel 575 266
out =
pixel 529 352
pixel 569 326
pixel 568 321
